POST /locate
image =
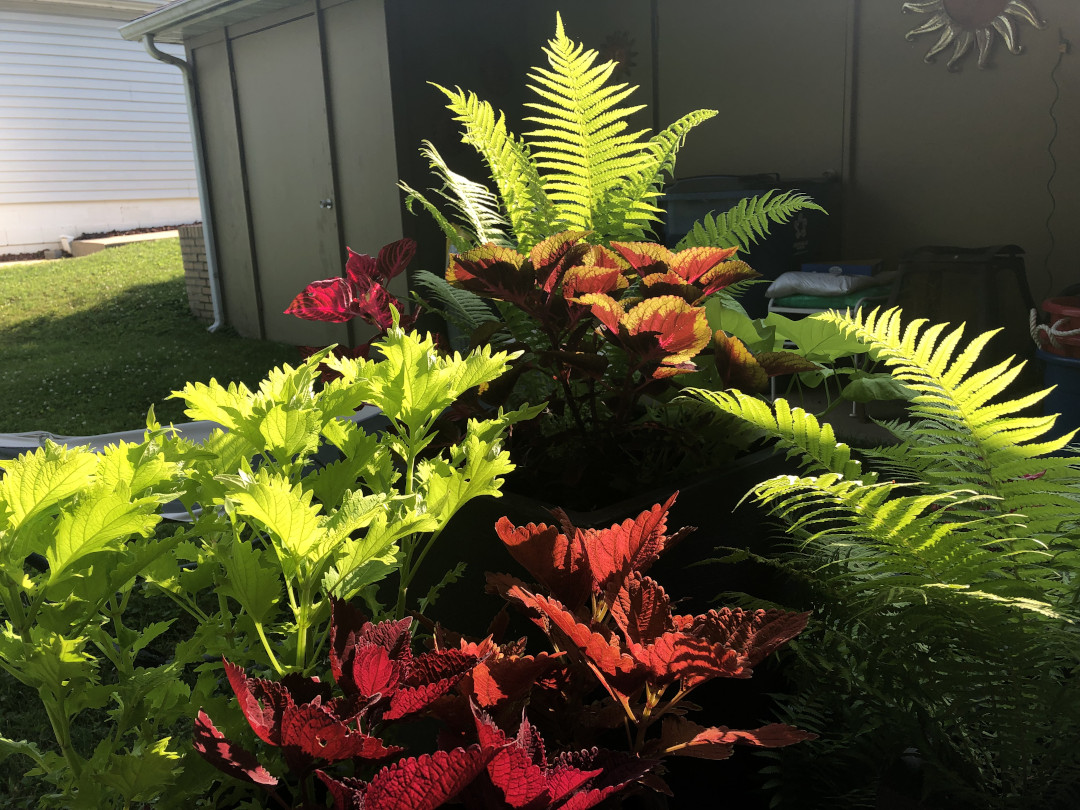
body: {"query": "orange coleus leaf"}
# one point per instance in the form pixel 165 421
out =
pixel 550 258
pixel 582 279
pixel 632 545
pixel 645 258
pixel 724 275
pixel 556 559
pixel 736 366
pixel 492 271
pixel 641 609
pixel 505 678
pixel 693 263
pixel 683 737
pixel 604 308
pixel 680 331
pixel 596 643
pixel 669 283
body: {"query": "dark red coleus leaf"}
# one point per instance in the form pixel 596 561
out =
pixel 361 292
pixel 520 771
pixel 683 737
pixel 751 634
pixel 777 363
pixel 306 731
pixel 393 258
pixel 417 783
pixel 227 756
pixel 495 272
pixel 374 664
pixel 317 733
pixel 262 702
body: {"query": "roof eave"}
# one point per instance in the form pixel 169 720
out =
pixel 172 22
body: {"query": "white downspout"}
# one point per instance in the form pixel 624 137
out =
pixel 200 176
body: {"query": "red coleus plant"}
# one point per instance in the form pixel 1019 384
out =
pixel 384 681
pixel 619 623
pixel 361 292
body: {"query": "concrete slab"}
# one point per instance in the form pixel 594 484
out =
pixel 84 247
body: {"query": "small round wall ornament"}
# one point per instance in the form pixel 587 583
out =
pixel 967 23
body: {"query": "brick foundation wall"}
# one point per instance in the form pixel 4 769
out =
pixel 196 275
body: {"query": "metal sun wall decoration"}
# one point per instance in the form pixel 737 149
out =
pixel 964 23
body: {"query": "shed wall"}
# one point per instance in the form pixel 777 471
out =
pixel 298 129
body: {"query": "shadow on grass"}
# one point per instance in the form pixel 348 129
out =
pixel 100 369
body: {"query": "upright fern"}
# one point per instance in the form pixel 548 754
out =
pixel 945 581
pixel 581 167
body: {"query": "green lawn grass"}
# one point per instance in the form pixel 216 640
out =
pixel 88 345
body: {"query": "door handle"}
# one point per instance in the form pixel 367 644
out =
pixel 327 203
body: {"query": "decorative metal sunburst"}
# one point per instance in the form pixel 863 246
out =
pixel 964 23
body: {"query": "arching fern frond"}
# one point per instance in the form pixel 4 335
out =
pixel 797 431
pixel 748 222
pixel 511 164
pixel 632 210
pixel 967 431
pixel 466 310
pixel 477 208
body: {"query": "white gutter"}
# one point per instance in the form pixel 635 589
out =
pixel 200 175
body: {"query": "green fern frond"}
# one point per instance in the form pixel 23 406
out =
pixel 748 222
pixel 963 435
pixel 454 236
pixel 511 164
pixel 582 142
pixel 797 431
pixel 631 210
pixel 464 309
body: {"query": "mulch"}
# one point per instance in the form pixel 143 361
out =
pixel 29 257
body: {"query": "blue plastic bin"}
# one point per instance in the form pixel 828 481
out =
pixel 1063 372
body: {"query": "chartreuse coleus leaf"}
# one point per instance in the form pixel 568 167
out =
pixel 143 773
pixel 253 582
pixel 475 466
pixel 99 522
pixel 35 483
pixel 412 384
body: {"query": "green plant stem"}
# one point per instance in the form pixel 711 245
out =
pixel 269 651
pixel 62 732
pixel 14 608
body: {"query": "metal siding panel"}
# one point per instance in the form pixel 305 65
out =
pixel 235 263
pixel 68 84
pixel 359 70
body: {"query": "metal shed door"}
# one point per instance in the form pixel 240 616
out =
pixel 284 132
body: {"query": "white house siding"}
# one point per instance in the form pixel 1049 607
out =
pixel 94 134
